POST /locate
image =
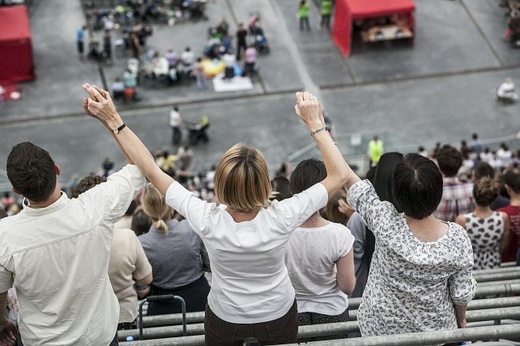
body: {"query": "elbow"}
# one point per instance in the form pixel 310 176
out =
pixel 343 177
pixel 141 294
pixel 347 286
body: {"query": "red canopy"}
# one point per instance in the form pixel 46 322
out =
pixel 348 10
pixel 16 62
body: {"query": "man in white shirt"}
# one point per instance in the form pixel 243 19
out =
pixel 55 252
pixel 175 124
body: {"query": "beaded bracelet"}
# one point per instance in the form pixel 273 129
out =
pixel 324 128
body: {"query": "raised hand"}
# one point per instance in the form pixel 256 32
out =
pixel 309 110
pixel 99 104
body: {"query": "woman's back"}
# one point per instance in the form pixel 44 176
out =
pixel 248 257
pixel 311 258
pixel 175 257
pixel 485 234
pixel 412 284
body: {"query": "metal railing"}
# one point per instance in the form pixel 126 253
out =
pixel 495 309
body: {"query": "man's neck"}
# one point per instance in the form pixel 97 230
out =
pixel 52 198
pixel 514 200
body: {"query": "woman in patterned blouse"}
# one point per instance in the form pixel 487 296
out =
pixel 487 229
pixel 421 273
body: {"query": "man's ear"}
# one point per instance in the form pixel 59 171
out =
pixel 57 169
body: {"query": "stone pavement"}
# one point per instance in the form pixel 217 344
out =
pixel 441 89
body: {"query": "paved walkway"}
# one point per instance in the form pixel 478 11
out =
pixel 442 89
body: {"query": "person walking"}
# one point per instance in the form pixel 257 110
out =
pixel 326 12
pixel 80 42
pixel 303 15
pixel 241 40
pixel 375 150
pixel 175 125
pixel 245 235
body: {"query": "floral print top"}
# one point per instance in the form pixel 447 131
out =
pixel 412 285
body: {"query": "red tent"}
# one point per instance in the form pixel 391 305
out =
pixel 349 10
pixel 16 63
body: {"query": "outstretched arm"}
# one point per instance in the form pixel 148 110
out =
pixel 100 105
pixel 339 173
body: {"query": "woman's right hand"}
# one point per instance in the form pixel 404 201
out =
pixel 309 111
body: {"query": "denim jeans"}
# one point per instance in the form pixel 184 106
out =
pixel 283 330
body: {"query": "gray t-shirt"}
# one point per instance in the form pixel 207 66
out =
pixel 177 258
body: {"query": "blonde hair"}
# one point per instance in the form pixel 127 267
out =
pixel 154 205
pixel 242 179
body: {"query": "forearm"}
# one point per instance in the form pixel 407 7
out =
pixel 142 157
pixel 460 313
pixel 339 173
pixel 111 130
pixel 142 286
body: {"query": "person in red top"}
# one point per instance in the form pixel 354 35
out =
pixel 510 252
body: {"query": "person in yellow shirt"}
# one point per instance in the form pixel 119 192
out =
pixel 303 15
pixel 375 150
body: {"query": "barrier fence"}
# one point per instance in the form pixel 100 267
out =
pixel 495 289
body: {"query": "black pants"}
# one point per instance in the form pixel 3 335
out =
pixel 194 294
pixel 283 330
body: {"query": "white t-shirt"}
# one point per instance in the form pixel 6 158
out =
pixel 250 283
pixel 175 118
pixel 311 258
pixel 57 258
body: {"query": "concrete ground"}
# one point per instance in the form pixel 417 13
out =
pixel 440 89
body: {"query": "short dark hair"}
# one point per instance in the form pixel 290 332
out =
pixel 417 186
pixel 86 184
pixel 512 179
pixel 31 171
pixel 280 188
pixel 307 173
pixel 483 169
pixel 449 160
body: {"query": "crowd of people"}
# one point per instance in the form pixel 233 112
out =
pixel 164 66
pixel 259 255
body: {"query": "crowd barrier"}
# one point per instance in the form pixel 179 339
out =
pixel 493 309
pixel 494 303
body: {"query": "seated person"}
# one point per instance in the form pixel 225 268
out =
pixel 185 65
pixel 506 90
pixel 160 66
pixel 118 89
pixel 130 82
pixel 171 56
pixel 229 60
